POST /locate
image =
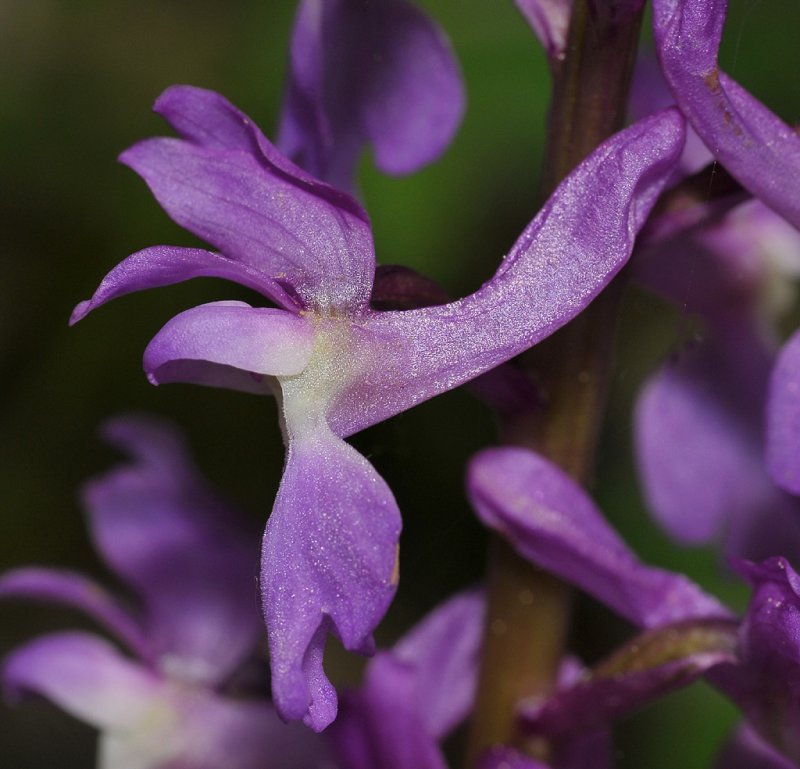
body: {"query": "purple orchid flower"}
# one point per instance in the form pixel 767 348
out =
pixel 553 523
pixel 329 560
pixel 378 72
pixel 190 560
pixel 699 431
pixel 549 20
pixel 783 417
pixel 414 695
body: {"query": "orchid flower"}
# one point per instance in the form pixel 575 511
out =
pixel 549 520
pixel 329 559
pixel 189 559
pixel 710 401
pixel 381 73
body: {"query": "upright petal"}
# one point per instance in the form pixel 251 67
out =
pixel 74 590
pixel 758 148
pixel 549 19
pixel 563 259
pixel 379 73
pixel 551 521
pixel 329 564
pixel 190 554
pixel 84 675
pixel 255 206
pixel 783 418
pixel 229 344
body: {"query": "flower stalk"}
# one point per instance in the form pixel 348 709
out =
pixel 528 609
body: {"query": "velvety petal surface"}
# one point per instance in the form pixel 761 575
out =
pixel 227 185
pixel 380 73
pixel 563 259
pixel 76 591
pixel 85 676
pixel 229 344
pixel 549 19
pixel 166 265
pixel 190 555
pixel 552 522
pixel 758 148
pixel 783 418
pixel 329 565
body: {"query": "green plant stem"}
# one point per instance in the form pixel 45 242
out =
pixel 528 609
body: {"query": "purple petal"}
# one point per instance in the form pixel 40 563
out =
pixel 564 258
pixel 443 651
pixel 651 665
pixel 189 554
pixel 765 684
pixel 74 590
pixel 748 751
pixel 381 73
pixel 758 148
pixel 329 564
pixel 166 265
pixel 507 758
pixel 84 675
pixel 257 208
pixel 549 19
pixel 783 418
pixel 229 344
pixel 551 521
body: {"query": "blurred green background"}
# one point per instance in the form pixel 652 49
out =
pixel 77 79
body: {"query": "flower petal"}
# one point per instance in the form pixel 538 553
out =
pixel 563 259
pixel 70 589
pixel 758 148
pixel 783 418
pixel 329 564
pixel 551 521
pixel 190 555
pixel 85 675
pixel 229 344
pixel 500 757
pixel 381 73
pixel 255 206
pixel 166 265
pixel 549 19
pixel 748 751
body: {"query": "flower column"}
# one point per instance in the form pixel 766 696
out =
pixel 528 610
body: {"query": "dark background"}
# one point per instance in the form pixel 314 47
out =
pixel 76 83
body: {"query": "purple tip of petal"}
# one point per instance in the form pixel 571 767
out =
pixel 549 19
pixel 226 343
pixel 551 521
pixel 753 144
pixel 74 590
pixel 329 564
pixel 84 675
pixel 783 418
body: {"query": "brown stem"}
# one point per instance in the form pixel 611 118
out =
pixel 528 609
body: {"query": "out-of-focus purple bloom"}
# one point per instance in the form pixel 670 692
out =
pixel 783 417
pixel 748 751
pixel 699 421
pixel 551 521
pixel 378 72
pixel 753 144
pixel 414 694
pixel 329 560
pixel 190 559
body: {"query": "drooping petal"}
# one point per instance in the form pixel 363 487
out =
pixel 549 19
pixel 84 675
pixel 229 344
pixel 167 265
pixel 551 521
pixel 651 665
pixel 74 590
pixel 329 564
pixel 189 554
pixel 783 418
pixel 379 73
pixel 563 259
pixel 748 751
pixel 256 207
pixel 758 148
